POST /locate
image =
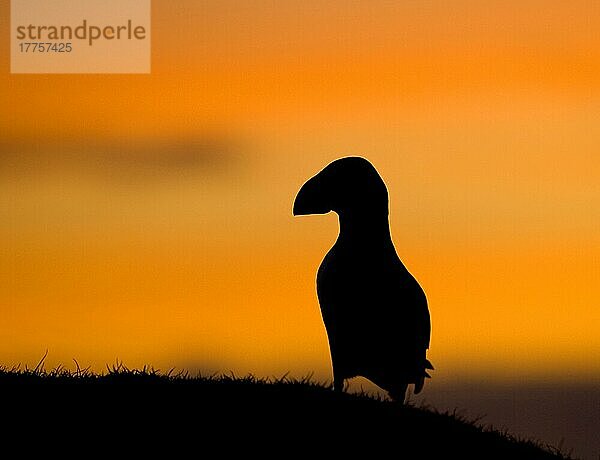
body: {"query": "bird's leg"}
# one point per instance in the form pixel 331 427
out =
pixel 398 394
pixel 338 384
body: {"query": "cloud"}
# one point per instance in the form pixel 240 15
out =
pixel 210 153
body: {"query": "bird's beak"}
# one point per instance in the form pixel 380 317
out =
pixel 312 198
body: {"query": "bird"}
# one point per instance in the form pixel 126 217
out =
pixel 375 312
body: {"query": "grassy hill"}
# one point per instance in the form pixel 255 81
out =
pixel 146 410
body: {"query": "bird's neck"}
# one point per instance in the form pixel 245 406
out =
pixel 365 229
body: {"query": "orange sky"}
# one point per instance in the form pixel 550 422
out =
pixel 148 217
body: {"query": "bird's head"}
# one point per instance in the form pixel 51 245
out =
pixel 349 186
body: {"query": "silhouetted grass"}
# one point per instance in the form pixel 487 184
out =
pixel 244 413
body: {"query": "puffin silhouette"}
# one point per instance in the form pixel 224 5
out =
pixel 374 310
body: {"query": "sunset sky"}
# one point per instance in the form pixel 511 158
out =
pixel 147 218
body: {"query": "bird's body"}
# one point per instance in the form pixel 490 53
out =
pixel 374 310
pixel 375 314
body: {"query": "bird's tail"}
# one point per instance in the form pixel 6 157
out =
pixel 421 380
